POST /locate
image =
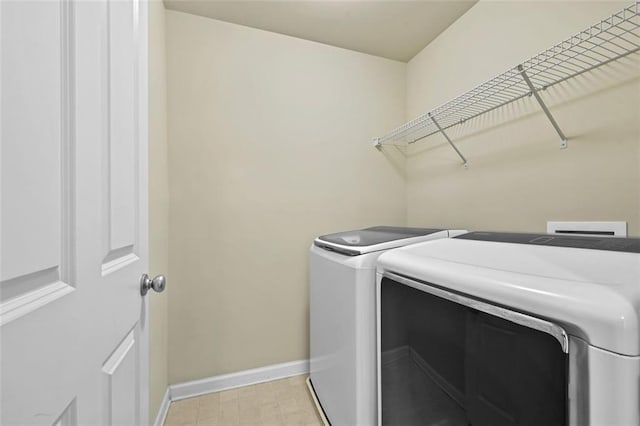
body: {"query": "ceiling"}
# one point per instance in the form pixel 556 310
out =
pixel 394 29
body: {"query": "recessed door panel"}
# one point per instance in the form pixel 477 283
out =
pixel 121 169
pixel 36 156
pixel 120 372
pixel 69 416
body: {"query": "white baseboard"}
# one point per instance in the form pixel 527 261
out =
pixel 164 408
pixel 234 380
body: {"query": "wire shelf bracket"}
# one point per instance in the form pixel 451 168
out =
pixel 464 160
pixel 606 41
pixel 534 92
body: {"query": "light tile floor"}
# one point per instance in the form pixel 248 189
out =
pixel 281 402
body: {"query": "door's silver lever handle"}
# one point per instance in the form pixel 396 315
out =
pixel 157 284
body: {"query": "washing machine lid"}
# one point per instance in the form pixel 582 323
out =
pixel 361 241
pixel 590 286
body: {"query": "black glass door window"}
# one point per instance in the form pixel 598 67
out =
pixel 447 364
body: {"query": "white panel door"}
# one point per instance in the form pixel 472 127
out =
pixel 73 212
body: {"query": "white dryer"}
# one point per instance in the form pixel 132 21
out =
pixel 498 328
pixel 342 317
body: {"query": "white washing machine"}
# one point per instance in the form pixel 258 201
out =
pixel 342 317
pixel 497 328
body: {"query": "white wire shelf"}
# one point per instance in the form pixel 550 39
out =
pixel 608 40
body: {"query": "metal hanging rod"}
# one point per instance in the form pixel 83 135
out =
pixel 606 41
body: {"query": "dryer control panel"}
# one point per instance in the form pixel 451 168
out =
pixel 629 245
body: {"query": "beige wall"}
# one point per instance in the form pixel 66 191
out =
pixel 269 146
pixel 517 177
pixel 158 208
